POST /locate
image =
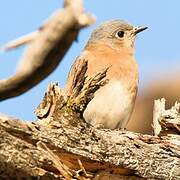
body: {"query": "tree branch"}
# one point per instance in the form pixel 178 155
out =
pixel 60 139
pixel 46 48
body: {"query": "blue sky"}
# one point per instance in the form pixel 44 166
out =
pixel 157 49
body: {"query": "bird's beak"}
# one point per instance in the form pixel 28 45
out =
pixel 139 29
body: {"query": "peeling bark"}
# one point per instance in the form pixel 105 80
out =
pixel 57 143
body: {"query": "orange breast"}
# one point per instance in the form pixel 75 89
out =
pixel 121 63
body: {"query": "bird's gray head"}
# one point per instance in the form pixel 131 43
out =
pixel 118 33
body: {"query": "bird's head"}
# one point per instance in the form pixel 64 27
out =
pixel 116 33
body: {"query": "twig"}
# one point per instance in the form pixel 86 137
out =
pixel 83 169
pixel 20 41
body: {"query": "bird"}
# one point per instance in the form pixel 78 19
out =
pixel 111 45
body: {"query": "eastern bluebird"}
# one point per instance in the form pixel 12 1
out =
pixel 111 45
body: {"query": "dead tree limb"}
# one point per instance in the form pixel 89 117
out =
pixel 46 48
pixel 61 145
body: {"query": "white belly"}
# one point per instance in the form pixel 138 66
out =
pixel 111 106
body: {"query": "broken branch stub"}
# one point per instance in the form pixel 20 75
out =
pixel 83 89
pixel 166 121
pixel 60 144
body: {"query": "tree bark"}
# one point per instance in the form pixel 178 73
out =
pixel 61 145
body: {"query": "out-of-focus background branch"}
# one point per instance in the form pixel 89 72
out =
pixel 46 48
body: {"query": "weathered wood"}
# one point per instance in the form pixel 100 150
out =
pixel 54 145
pixel 117 151
pixel 166 121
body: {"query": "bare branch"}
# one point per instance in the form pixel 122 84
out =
pixel 55 142
pixel 118 152
pixel 45 52
pixel 19 42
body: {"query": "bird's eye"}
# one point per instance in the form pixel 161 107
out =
pixel 120 34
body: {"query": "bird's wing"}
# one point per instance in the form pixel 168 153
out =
pixel 73 73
